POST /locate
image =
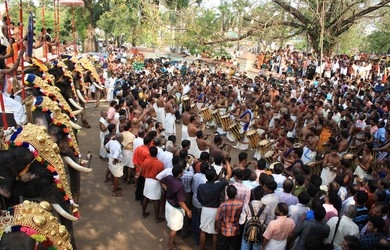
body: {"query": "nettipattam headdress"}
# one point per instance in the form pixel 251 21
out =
pixel 36 220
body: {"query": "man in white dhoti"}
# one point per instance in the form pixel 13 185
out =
pixel 150 168
pixel 192 129
pixel 329 166
pixel 209 196
pixel 115 162
pixel 175 206
pixel 128 139
pixel 170 118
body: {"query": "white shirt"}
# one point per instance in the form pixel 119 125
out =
pixel 198 179
pixel 166 158
pixel 16 108
pixel 137 142
pixel 295 212
pixel 115 149
pixel 346 227
pixel 279 178
pixel 272 201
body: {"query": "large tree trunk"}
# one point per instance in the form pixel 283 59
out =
pixel 90 41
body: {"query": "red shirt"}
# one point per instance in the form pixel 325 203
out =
pixel 140 155
pixel 151 167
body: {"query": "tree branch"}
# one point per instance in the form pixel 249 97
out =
pixel 361 14
pixel 227 39
pixel 293 11
pixel 338 19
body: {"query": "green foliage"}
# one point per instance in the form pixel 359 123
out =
pixel 378 42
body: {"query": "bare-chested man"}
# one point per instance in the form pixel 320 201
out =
pixel 329 166
pixel 364 162
pixel 192 129
pixel 136 122
pixel 170 118
pixel 160 109
pixel 309 151
pixel 202 142
pixel 216 148
pixel 185 121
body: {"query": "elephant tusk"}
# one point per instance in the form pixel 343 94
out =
pixel 77 106
pixel 63 213
pixel 78 92
pixel 77 112
pixel 74 125
pixel 97 85
pixel 76 166
pixel 20 90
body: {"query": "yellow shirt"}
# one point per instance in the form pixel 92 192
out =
pixel 128 139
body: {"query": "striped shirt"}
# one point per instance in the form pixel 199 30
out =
pixel 228 215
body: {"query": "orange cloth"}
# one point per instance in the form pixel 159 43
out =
pixel 151 167
pixel 324 137
pixel 140 155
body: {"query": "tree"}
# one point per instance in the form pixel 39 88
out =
pixel 338 17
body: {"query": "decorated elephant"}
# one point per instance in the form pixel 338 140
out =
pixel 32 169
pixel 32 226
pixel 59 126
pixel 83 71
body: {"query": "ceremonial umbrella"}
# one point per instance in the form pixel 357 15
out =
pixel 72 4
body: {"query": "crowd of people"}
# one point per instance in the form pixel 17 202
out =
pixel 319 177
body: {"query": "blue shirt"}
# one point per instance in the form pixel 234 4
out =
pixel 380 135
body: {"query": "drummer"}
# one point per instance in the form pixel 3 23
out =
pixel 193 127
pixel 221 105
pixel 244 119
pixel 202 143
pixel 201 98
pixel 185 121
pixel 234 112
pixel 309 150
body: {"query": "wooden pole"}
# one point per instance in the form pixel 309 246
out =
pixel 57 10
pixel 74 33
pixel 43 26
pixel 21 38
pixel 3 115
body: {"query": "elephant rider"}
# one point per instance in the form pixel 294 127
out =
pixel 11 106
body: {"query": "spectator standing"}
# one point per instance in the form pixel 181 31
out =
pixel 227 221
pixel 246 215
pixel 345 226
pixel 150 168
pixel 307 228
pixel 209 195
pixel 175 206
pixel 115 162
pixel 278 230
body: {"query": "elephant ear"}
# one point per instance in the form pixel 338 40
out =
pixel 50 91
pixel 60 119
pixel 37 221
pixel 46 152
pixel 88 65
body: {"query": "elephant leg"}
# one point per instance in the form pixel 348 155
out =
pixel 84 118
pixel 74 179
pixel 69 226
pixel 98 96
